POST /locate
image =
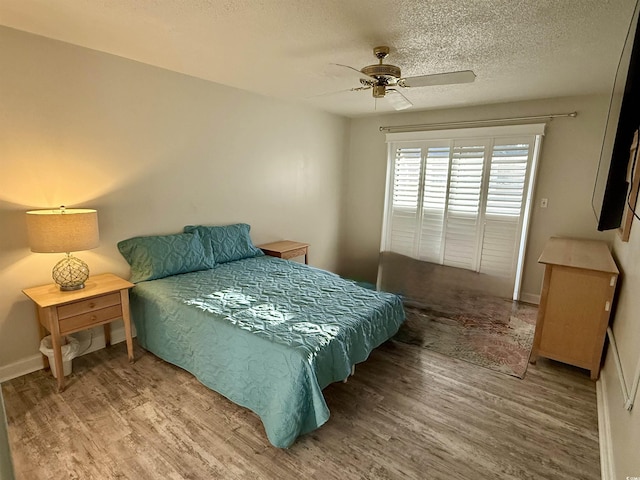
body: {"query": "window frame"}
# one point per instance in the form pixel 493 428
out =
pixel 463 135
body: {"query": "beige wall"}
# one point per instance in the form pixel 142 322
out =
pixel 624 425
pixel 566 176
pixel 152 151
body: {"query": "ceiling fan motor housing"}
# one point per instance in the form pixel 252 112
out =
pixel 390 72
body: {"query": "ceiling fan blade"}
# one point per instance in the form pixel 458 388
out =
pixel 355 70
pixel 324 94
pixel 463 76
pixel 336 92
pixel 397 100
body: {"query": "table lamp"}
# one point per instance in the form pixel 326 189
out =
pixel 64 231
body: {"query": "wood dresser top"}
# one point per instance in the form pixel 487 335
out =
pixel 578 253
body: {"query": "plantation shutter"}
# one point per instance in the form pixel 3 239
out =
pixel 505 205
pixel 463 215
pixel 460 201
pixel 436 175
pixel 405 200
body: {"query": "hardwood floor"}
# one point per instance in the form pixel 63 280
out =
pixel 407 413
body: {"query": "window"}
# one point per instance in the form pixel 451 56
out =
pixel 460 197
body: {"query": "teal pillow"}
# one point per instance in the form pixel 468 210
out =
pixel 227 243
pixel 164 255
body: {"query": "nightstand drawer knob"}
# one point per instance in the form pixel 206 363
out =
pixel 93 318
pixel 92 305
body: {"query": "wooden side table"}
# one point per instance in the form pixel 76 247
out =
pixel 104 298
pixel 286 249
pixel 579 285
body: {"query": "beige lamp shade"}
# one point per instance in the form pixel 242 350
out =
pixel 62 230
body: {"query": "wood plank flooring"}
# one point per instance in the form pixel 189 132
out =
pixel 407 413
pixel 425 283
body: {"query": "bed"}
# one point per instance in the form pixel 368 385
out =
pixel 268 334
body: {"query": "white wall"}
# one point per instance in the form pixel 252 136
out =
pixel 624 426
pixel 566 176
pixel 152 151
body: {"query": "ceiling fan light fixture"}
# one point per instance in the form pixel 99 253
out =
pixel 379 91
pixel 397 99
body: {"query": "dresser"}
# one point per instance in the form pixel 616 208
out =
pixel 577 293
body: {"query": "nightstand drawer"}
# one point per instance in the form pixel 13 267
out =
pixel 294 253
pixel 86 320
pixel 89 305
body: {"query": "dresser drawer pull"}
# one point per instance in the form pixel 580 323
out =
pixel 92 305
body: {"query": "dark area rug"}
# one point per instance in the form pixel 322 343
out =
pixel 488 331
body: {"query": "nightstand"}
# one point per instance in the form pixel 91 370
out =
pixel 104 298
pixel 286 249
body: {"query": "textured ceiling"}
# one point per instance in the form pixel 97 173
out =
pixel 519 50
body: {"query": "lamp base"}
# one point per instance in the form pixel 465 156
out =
pixel 70 273
pixel 72 288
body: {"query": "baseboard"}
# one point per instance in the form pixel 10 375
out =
pixel 604 431
pixel 21 367
pixel 530 298
pixel 34 363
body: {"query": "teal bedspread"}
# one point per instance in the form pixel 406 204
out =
pixel 268 334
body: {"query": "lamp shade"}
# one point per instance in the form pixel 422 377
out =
pixel 62 230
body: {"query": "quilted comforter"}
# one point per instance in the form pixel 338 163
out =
pixel 268 334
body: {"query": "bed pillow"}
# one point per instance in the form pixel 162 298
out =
pixel 164 255
pixel 228 242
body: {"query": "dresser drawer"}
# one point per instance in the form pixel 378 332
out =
pixel 86 320
pixel 89 305
pixel 298 252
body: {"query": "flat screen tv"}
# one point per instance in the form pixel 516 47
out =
pixel 610 191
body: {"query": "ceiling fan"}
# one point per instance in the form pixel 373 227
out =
pixel 384 79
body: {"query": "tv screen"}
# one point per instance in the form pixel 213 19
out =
pixel 610 191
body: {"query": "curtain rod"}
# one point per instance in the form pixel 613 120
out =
pixel 474 122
